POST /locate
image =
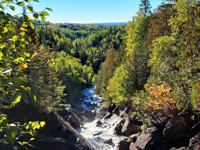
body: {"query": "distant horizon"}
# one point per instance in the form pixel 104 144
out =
pixel 99 21
pixel 88 11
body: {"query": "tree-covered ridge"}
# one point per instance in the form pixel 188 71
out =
pixel 160 70
pixel 89 43
pixel 72 31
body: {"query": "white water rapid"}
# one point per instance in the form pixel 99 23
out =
pixel 97 135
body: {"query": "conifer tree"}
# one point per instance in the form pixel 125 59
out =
pixel 145 6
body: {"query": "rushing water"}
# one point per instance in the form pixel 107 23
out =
pixel 96 135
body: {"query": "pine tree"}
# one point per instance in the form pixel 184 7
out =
pixel 145 6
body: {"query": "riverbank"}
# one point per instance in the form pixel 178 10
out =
pixel 116 128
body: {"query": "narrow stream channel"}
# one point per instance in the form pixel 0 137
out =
pixel 97 135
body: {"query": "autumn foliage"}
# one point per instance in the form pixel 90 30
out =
pixel 159 99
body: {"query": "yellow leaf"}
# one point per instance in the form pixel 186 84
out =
pixel 42 123
pixel 23 66
pixel 23 29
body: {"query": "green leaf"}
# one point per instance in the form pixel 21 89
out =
pixel 2 13
pixel 33 97
pixel 43 18
pixel 12 7
pixel 35 16
pixel 16 98
pixel 11 133
pixel 31 25
pixel 16 82
pixel 4 141
pixel 9 15
pixel 27 0
pixel 15 38
pixel 1 6
pixel 26 16
pixel 35 0
pixel 5 29
pixel 25 98
pixel 20 3
pixel 1 79
pixel 24 24
pixel 30 8
pixel 33 133
pixel 49 9
pixel 7 99
pixel 3 121
pixel 45 13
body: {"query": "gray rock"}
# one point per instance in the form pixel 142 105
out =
pixel 130 127
pixel 89 114
pixel 133 146
pixel 81 109
pixel 123 145
pixel 181 148
pixel 149 139
pixel 118 128
pixel 110 142
pixel 111 107
pixel 164 145
pixel 176 128
pixel 159 121
pixel 134 137
pixel 194 143
pixel 113 118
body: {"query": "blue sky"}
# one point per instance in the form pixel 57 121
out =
pixel 90 11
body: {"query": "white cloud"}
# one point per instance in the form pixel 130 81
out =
pixel 101 21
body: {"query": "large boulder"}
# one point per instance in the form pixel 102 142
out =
pixel 133 146
pixel 149 139
pixel 116 110
pixel 101 112
pixel 123 145
pixel 113 118
pixel 109 141
pixel 164 145
pixel 90 105
pixel 111 107
pixel 75 123
pixel 158 120
pixel 123 111
pixel 194 143
pixel 130 127
pixel 107 115
pixel 89 114
pixel 81 109
pixel 181 148
pixel 134 137
pixel 192 132
pixel 176 128
pixel 99 123
pixel 118 128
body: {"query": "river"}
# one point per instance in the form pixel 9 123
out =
pixel 97 135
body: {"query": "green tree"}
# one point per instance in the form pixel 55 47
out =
pixel 15 56
pixel 145 6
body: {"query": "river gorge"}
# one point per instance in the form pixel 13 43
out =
pixel 100 136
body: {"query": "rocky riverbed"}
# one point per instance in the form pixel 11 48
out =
pixel 115 128
pixel 98 132
pixel 89 126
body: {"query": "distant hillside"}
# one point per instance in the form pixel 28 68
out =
pixel 109 23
